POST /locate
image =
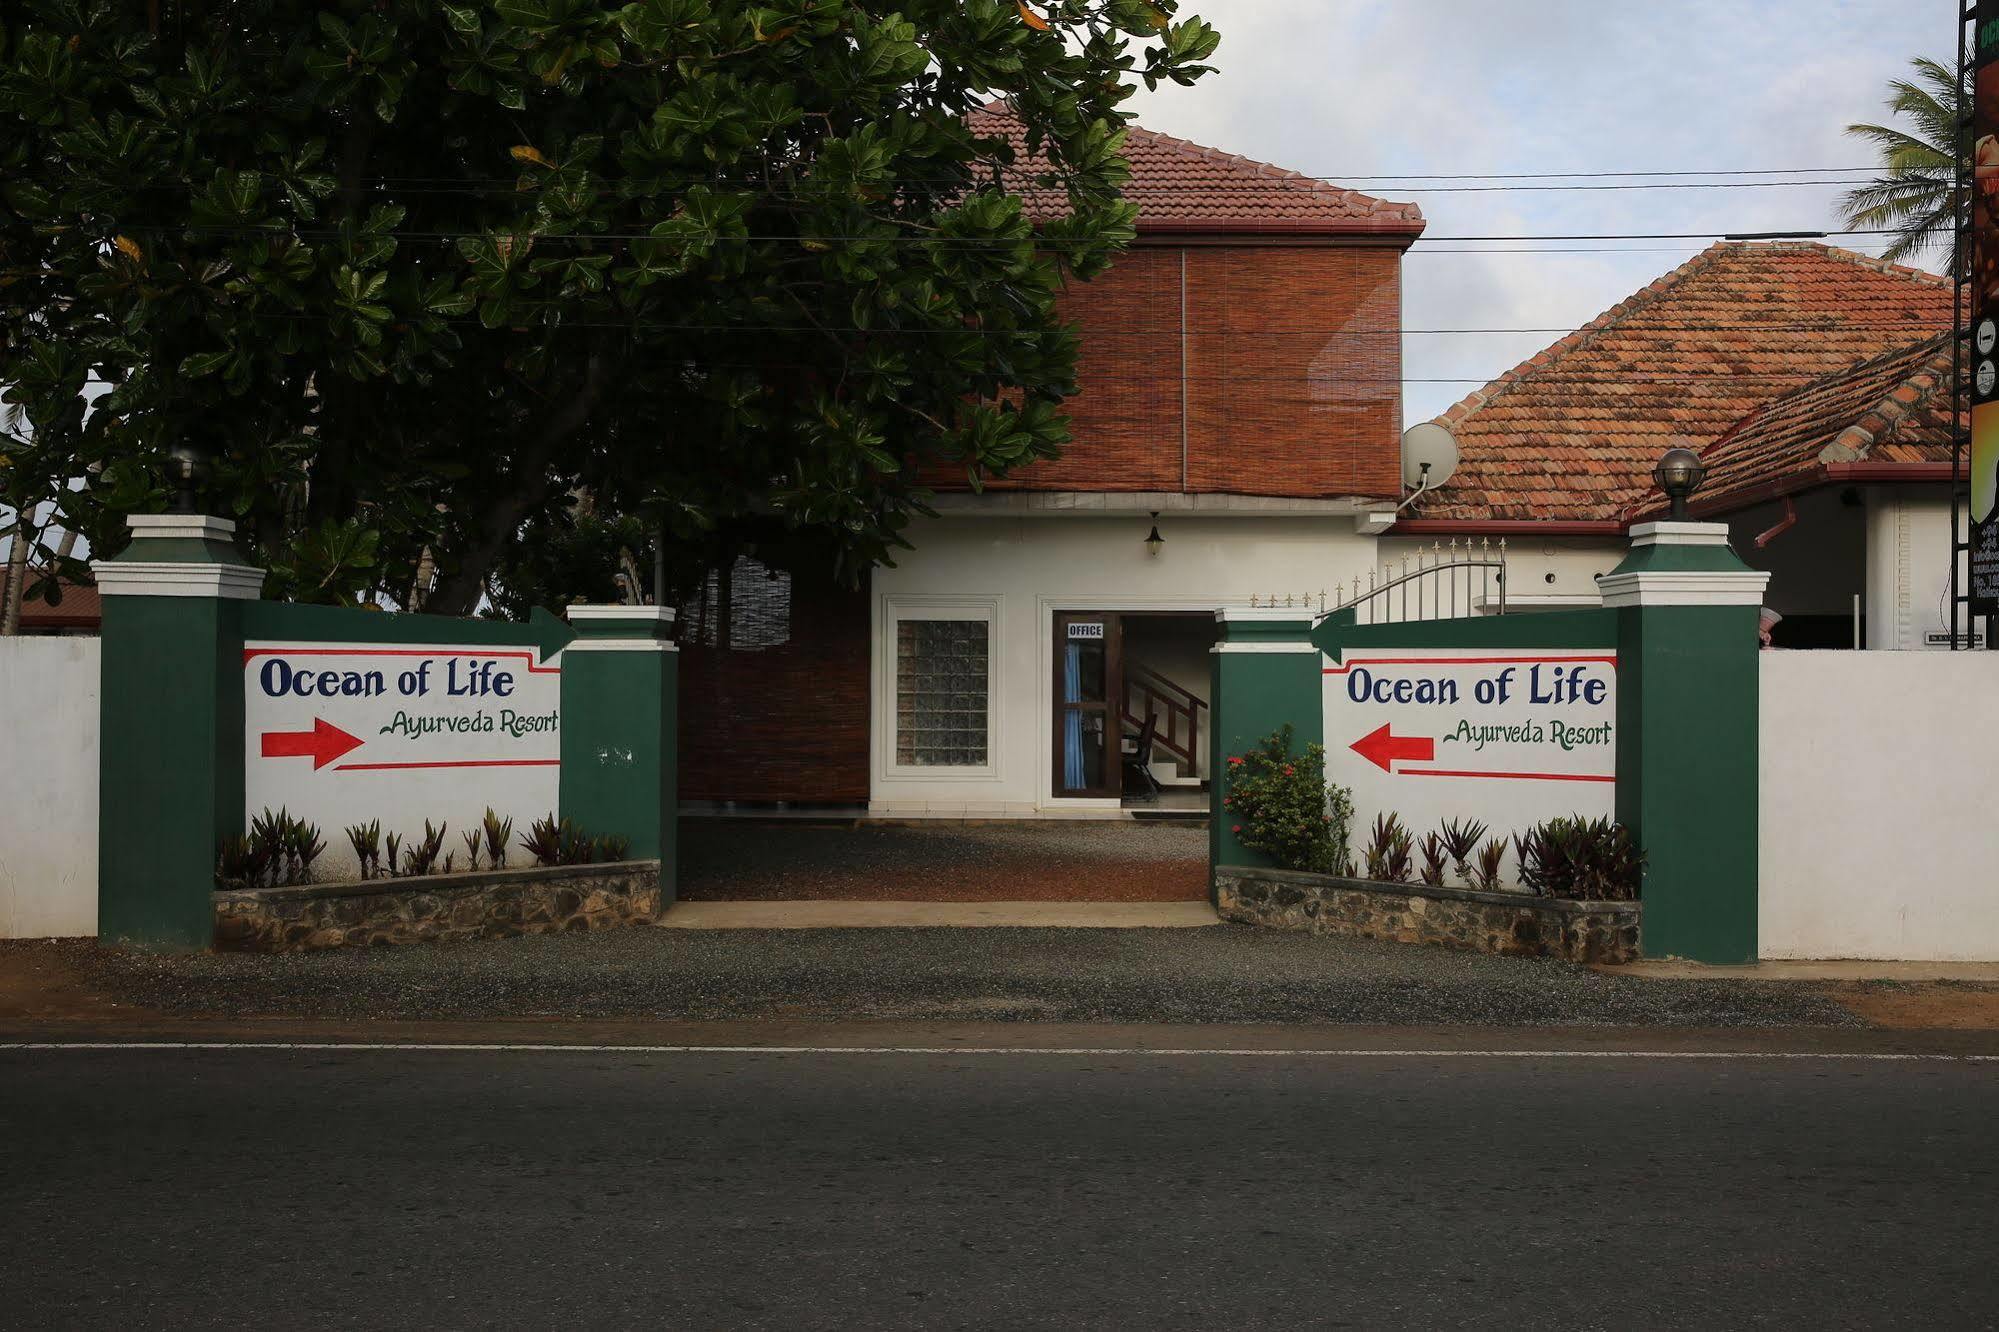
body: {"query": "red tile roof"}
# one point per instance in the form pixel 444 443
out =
pixel 1181 187
pixel 1572 433
pixel 81 606
pixel 1886 409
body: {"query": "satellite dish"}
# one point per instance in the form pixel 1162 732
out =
pixel 1429 456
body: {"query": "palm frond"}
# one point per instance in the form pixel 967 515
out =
pixel 1919 155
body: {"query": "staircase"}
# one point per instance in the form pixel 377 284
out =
pixel 1147 693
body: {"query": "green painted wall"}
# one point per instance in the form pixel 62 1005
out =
pixel 1549 629
pixel 1687 774
pixel 171 774
pixel 1255 693
pixel 620 751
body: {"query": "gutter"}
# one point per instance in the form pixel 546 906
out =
pixel 1811 478
pixel 1528 527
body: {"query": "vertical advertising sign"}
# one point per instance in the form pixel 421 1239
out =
pixel 1984 536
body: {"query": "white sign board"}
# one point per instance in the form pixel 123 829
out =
pixel 347 733
pixel 1509 738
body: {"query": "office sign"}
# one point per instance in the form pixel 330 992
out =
pixel 347 733
pixel 1507 737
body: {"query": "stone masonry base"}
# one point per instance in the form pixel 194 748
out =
pixel 491 904
pixel 1511 923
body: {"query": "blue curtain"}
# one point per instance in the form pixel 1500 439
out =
pixel 1072 721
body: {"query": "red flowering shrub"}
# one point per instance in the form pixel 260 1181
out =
pixel 1288 810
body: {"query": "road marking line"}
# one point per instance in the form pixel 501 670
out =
pixel 1069 1051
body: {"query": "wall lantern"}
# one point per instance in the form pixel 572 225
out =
pixel 1153 541
pixel 1679 473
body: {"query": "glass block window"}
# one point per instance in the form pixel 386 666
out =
pixel 940 693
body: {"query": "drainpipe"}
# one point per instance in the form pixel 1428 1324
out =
pixel 1783 525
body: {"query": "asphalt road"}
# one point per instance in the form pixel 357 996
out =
pixel 320 1188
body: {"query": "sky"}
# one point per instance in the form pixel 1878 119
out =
pixel 1345 88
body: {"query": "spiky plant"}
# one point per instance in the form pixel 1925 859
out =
pixel 306 846
pixel 1913 195
pixel 472 843
pixel 610 848
pixel 1433 850
pixel 394 843
pixel 366 839
pixel 543 840
pixel 1485 870
pixel 1461 839
pixel 499 832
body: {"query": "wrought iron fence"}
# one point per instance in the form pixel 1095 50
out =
pixel 1440 583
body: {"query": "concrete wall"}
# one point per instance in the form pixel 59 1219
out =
pixel 1020 571
pixel 48 787
pixel 1880 816
pixel 1908 567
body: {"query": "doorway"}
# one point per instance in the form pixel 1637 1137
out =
pixel 1130 691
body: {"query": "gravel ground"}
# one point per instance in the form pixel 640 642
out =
pixel 739 860
pixel 1223 974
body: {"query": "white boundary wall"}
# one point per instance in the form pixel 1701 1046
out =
pixel 48 786
pixel 1880 805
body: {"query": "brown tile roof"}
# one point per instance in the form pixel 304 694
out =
pixel 1886 409
pixel 81 607
pixel 1185 188
pixel 1572 433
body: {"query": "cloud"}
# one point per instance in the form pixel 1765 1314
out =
pixel 1387 87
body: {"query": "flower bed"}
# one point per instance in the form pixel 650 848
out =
pixel 1518 924
pixel 489 904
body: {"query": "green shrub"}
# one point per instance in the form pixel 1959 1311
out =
pixel 1282 805
pixel 1587 860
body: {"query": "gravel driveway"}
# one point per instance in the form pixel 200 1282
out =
pixel 748 860
pixel 1226 973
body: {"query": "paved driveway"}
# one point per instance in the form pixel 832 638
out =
pixel 1033 861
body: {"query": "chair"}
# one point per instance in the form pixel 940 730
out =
pixel 1140 756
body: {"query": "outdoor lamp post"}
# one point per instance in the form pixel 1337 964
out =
pixel 1679 473
pixel 1153 541
pixel 187 472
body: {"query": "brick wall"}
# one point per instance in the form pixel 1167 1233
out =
pixel 774 689
pixel 1293 359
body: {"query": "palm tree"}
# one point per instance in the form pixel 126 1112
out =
pixel 1914 195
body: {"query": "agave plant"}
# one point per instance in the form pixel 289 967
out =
pixel 1433 850
pixel 305 846
pixel 610 848
pixel 498 832
pixel 421 858
pixel 543 840
pixel 1461 839
pixel 237 864
pixel 366 839
pixel 1485 869
pixel 472 842
pixel 1381 845
pixel 394 842
pixel 270 844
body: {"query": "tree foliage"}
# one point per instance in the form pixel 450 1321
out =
pixel 416 275
pixel 1919 157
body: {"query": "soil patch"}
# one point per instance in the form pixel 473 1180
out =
pixel 726 860
pixel 55 980
pixel 1932 1005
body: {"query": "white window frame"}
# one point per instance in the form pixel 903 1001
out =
pixel 896 609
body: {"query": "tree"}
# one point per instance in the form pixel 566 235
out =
pixel 1914 196
pixel 415 276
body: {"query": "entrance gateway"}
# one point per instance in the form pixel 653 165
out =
pixel 1131 705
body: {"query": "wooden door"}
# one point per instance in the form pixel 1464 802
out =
pixel 1089 690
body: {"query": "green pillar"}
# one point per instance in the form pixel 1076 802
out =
pixel 1266 673
pixel 170 783
pixel 1687 779
pixel 620 753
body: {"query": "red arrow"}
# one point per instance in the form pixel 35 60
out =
pixel 1381 748
pixel 324 743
